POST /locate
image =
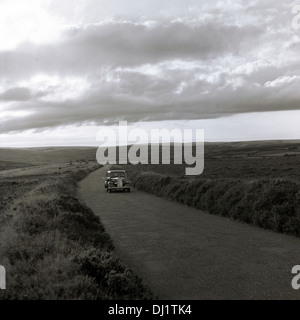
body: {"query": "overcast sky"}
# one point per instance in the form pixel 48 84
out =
pixel 67 66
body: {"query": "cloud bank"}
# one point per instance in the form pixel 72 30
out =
pixel 201 61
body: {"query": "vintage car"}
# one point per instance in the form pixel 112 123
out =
pixel 116 180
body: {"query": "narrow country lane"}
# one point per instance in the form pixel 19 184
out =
pixel 184 253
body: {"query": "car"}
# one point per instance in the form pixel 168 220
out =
pixel 116 180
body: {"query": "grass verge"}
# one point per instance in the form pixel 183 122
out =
pixel 54 247
pixel 270 203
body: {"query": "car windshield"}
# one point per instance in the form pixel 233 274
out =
pixel 116 174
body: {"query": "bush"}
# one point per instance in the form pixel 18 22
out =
pixel 268 203
pixel 56 248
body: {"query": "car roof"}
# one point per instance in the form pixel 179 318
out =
pixel 109 171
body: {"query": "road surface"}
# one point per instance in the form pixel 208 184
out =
pixel 184 253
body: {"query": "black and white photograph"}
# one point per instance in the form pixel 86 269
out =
pixel 149 151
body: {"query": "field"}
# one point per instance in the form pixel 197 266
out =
pixel 53 246
pixel 254 182
pixel 25 157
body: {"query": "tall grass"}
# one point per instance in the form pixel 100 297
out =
pixel 56 248
pixel 269 203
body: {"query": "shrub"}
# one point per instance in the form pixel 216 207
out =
pixel 266 202
pixel 56 248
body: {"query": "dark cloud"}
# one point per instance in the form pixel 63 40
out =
pixel 167 70
pixel 139 98
pixel 131 44
pixel 127 44
pixel 16 94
